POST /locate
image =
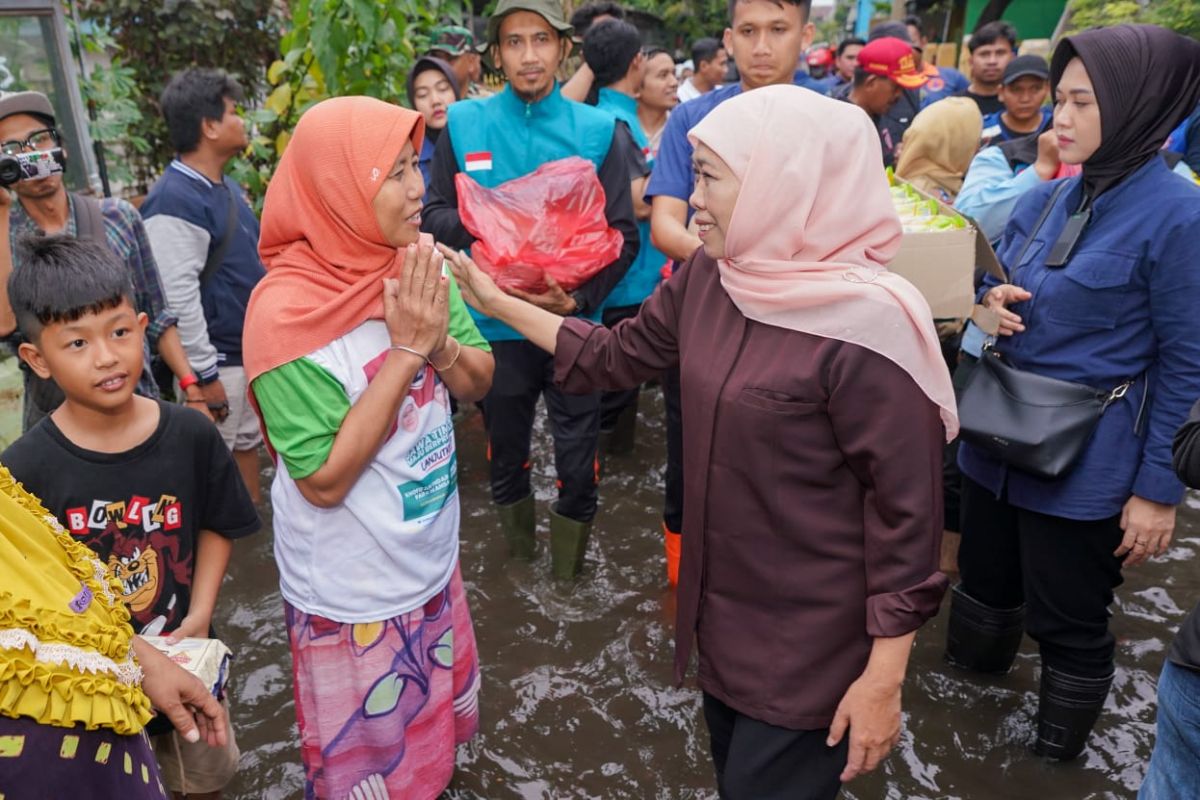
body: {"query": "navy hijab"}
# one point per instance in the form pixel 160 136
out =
pixel 1146 80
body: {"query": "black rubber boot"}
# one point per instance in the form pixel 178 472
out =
pixel 517 522
pixel 981 638
pixel 1067 710
pixel 568 543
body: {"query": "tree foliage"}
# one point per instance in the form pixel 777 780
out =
pixel 155 39
pixel 333 48
pixel 688 20
pixel 1178 15
pixel 111 93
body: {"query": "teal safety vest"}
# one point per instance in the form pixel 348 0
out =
pixel 646 270
pixel 502 137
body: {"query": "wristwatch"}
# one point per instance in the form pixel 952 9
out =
pixel 580 302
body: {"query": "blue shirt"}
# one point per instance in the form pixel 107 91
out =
pixel 1123 307
pixel 672 175
pixel 995 131
pixel 947 82
pixel 991 189
pixel 804 80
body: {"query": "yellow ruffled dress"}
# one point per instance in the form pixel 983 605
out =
pixel 65 639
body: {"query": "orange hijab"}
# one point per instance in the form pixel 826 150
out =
pixel 321 244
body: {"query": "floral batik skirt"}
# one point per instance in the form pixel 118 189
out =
pixel 382 705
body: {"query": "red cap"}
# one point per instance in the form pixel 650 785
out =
pixel 821 57
pixel 892 59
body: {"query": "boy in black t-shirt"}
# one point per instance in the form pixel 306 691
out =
pixel 149 486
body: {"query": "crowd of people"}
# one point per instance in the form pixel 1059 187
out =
pixel 819 498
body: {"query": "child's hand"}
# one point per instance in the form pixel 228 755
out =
pixel 190 627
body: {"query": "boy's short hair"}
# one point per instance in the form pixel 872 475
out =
pixel 805 6
pixel 610 49
pixel 193 96
pixel 61 279
pixel 992 33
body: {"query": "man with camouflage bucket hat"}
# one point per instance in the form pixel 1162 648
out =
pixel 455 45
pixel 495 140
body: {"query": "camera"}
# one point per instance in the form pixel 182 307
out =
pixel 31 166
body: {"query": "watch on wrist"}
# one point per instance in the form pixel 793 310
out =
pixel 580 305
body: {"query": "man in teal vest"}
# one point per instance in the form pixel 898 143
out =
pixel 613 52
pixel 495 140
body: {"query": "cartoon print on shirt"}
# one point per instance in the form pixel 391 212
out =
pixel 144 555
pixel 136 569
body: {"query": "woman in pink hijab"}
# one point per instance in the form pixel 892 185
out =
pixel 815 404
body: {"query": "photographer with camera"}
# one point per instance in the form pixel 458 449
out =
pixel 31 151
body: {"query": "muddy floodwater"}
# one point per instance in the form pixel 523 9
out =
pixel 577 696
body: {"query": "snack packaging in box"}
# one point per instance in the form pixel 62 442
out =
pixel 939 251
pixel 207 659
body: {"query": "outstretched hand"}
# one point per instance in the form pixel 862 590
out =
pixel 478 289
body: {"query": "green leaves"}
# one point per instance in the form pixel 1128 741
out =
pixel 149 42
pixel 1178 15
pixel 286 56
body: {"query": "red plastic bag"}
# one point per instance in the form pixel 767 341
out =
pixel 550 222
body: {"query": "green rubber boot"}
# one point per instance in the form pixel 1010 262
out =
pixel 516 520
pixel 568 543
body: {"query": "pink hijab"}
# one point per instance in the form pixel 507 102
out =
pixel 814 229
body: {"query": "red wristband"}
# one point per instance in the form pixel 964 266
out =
pixel 188 381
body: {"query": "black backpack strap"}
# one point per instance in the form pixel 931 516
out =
pixel 217 255
pixel 89 219
pixel 1037 226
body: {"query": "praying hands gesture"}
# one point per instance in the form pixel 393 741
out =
pixel 416 304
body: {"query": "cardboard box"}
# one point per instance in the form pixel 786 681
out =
pixel 942 264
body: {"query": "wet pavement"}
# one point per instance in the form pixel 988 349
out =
pixel 577 696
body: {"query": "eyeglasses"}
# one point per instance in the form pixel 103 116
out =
pixel 45 139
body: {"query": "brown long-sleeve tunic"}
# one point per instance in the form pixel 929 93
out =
pixel 812 494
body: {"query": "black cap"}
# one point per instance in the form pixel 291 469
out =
pixel 895 30
pixel 1021 66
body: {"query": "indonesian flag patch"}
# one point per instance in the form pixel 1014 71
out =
pixel 479 161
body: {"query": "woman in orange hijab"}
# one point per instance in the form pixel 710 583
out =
pixel 354 341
